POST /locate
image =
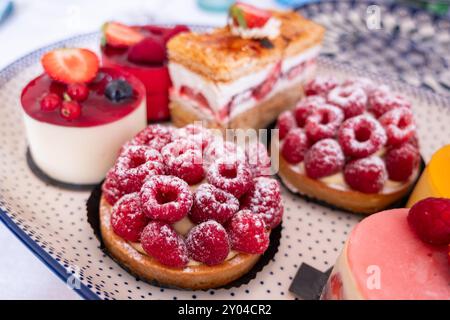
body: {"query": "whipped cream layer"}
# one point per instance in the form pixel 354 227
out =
pixel 81 155
pixel 220 94
pixel 271 30
pixel 384 259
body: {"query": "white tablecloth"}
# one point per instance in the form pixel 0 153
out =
pixel 33 25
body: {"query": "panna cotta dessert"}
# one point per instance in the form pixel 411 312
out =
pixel 77 115
pixel 435 179
pixel 141 51
pixel 244 74
pixel 352 145
pixel 186 209
pixel 400 254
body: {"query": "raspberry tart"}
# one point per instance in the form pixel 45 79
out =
pixel 399 254
pixel 352 145
pixel 244 74
pixel 77 115
pixel 184 208
pixel 141 51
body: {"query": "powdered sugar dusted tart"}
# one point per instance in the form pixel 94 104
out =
pixel 351 144
pixel 184 208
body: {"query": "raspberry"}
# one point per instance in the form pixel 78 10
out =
pixel 134 165
pixel 127 218
pixel 430 220
pixel 324 159
pixel 247 233
pixel 231 175
pixel 154 136
pixel 162 242
pixel 294 146
pixel 78 91
pixel 361 136
pixel 367 175
pixel 150 50
pixel 208 243
pixel 184 160
pixel 195 133
pixel 258 159
pixel 166 198
pixel 264 199
pixel 401 162
pixel 320 86
pixel 50 102
pixel 382 100
pixel 111 189
pixel 366 84
pixel 323 122
pixel 211 203
pixel 399 125
pixel 351 99
pixel 286 122
pixel 305 107
pixel 70 110
pixel 219 148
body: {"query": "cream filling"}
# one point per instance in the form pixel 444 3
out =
pixel 270 30
pixel 138 247
pixel 350 290
pixel 337 181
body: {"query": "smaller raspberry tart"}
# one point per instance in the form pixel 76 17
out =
pixel 345 153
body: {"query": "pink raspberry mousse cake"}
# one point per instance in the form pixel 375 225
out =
pixel 352 145
pixel 77 116
pixel 184 208
pixel 396 254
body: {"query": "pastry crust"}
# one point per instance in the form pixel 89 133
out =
pixel 222 57
pixel 350 200
pixel 259 116
pixel 191 277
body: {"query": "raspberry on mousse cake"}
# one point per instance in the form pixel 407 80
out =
pixel 244 74
pixel 141 51
pixel 77 115
pixel 184 208
pixel 400 254
pixel 352 145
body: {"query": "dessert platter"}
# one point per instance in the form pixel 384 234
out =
pixel 181 213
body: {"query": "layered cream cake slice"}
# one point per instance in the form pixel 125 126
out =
pixel 244 74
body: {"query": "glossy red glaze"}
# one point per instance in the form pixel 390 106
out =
pixel 97 109
pixel 155 77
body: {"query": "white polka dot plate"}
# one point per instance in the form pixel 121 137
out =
pixel 52 221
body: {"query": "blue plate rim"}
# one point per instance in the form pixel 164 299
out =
pixel 9 71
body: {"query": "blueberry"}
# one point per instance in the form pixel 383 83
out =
pixel 118 90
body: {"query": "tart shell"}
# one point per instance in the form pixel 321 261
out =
pixel 350 200
pixel 149 269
